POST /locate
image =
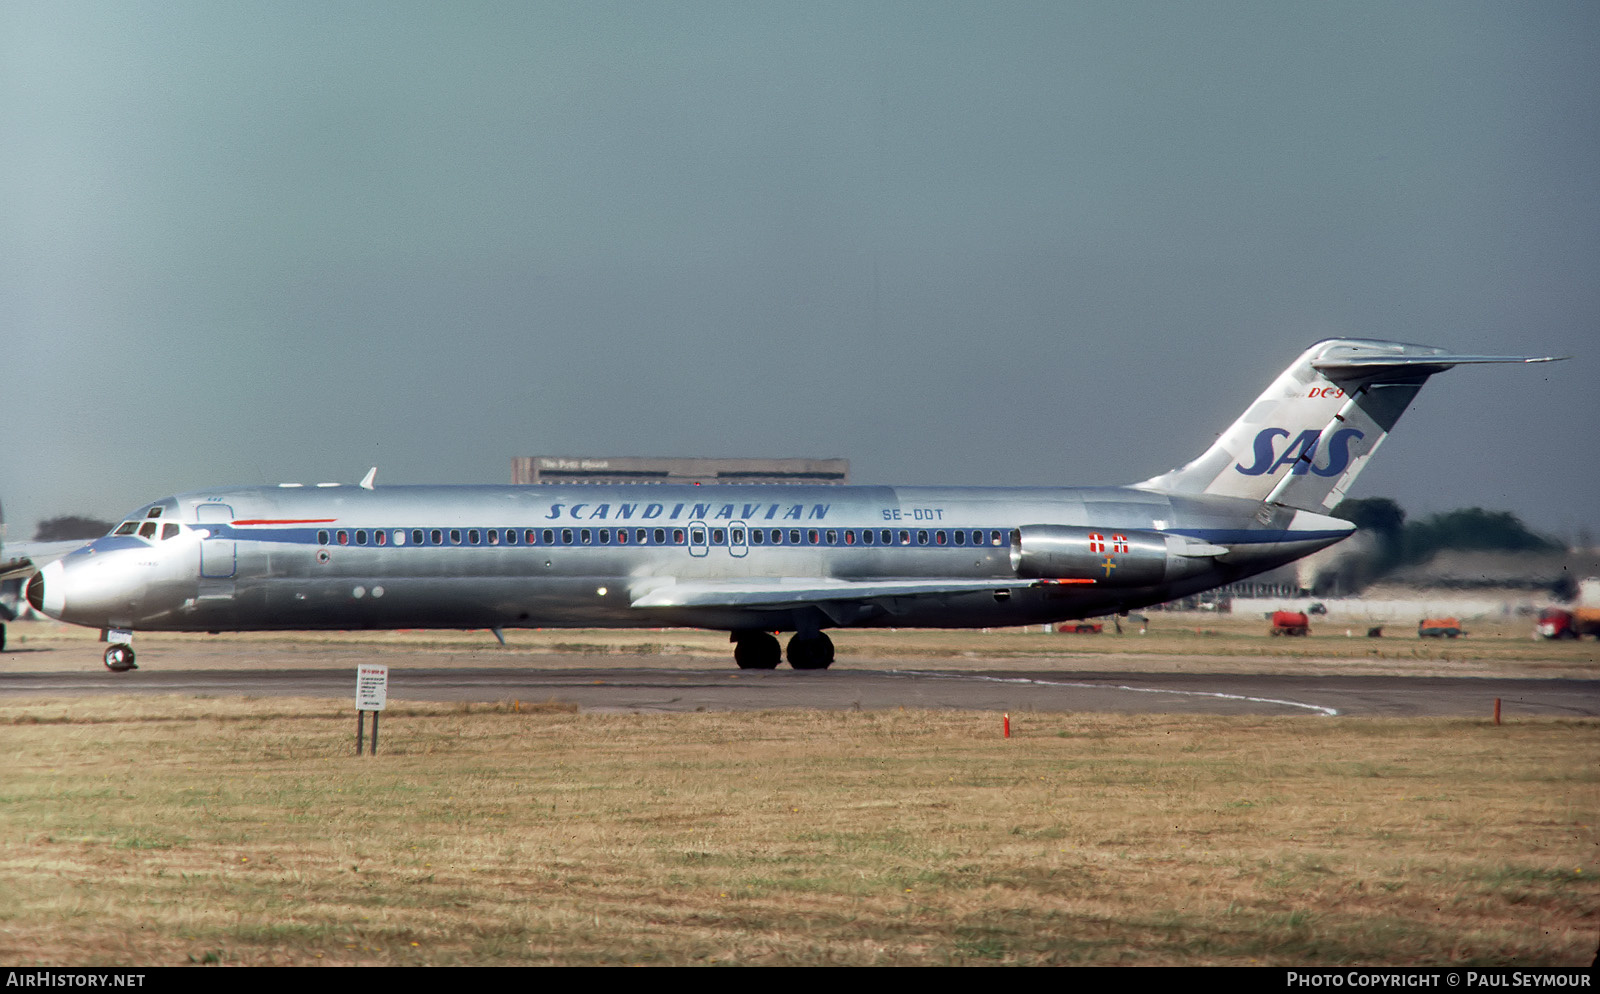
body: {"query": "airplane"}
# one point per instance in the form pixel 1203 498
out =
pixel 752 560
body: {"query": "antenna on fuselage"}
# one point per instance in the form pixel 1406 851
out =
pixel 366 481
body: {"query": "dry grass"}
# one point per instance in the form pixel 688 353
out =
pixel 167 831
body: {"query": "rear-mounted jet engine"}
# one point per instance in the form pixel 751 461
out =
pixel 1111 558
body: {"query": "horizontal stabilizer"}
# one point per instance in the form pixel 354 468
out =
pixel 1363 362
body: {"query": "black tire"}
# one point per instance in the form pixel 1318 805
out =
pixel 119 658
pixel 814 653
pixel 756 651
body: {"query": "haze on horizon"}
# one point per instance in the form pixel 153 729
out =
pixel 1013 244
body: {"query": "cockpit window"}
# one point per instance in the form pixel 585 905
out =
pixel 128 528
pixel 168 530
pixel 155 512
pixel 148 530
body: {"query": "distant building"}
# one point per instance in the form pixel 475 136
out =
pixel 637 469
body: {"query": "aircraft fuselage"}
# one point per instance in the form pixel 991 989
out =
pixel 578 556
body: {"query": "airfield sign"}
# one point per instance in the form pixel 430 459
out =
pixel 372 693
pixel 372 686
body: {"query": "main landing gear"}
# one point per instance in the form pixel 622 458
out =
pixel 119 658
pixel 754 650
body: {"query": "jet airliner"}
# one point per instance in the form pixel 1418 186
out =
pixel 756 559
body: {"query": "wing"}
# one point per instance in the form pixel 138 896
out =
pixel 26 558
pixel 784 591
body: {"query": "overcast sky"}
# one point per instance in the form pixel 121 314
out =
pixel 978 243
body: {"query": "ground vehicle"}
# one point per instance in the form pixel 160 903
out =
pixel 1290 623
pixel 1561 623
pixel 1435 628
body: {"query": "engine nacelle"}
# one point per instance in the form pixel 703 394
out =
pixel 1109 557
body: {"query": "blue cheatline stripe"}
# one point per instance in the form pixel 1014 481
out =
pixel 309 536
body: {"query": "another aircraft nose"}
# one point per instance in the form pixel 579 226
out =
pixel 45 591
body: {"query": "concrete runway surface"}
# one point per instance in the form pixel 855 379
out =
pixel 594 683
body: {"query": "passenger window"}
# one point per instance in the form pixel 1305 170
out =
pixel 961 538
pixel 605 536
pixel 938 537
pixel 344 537
pixel 168 530
pixel 494 536
pixel 738 536
pixel 639 536
pixel 677 536
pixel 322 538
pixel 455 536
pixel 757 536
pixel 717 536
pixel 381 537
pixel 436 537
pixel 549 536
pixel 866 536
pixel 361 536
pixel 660 536
pixel 922 537
pixel 777 536
pixel 511 536
pixel 585 536
pixel 566 536
pixel 622 536
pixel 905 537
pixel 472 536
pixel 994 538
pixel 794 536
pixel 416 536
pixel 698 536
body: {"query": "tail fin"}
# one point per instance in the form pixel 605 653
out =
pixel 1304 440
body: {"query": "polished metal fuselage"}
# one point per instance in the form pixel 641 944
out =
pixel 530 557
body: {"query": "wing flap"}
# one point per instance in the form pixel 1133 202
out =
pixel 805 590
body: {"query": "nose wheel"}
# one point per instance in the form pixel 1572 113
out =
pixel 119 658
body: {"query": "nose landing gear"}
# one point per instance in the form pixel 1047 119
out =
pixel 119 658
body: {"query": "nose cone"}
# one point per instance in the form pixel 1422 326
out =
pixel 45 591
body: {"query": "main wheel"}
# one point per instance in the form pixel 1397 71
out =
pixel 813 652
pixel 119 658
pixel 756 650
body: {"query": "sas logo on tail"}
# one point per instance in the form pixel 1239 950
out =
pixel 1301 452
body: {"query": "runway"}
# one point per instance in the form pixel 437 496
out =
pixel 656 689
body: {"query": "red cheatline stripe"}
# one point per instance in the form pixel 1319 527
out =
pixel 1065 581
pixel 285 521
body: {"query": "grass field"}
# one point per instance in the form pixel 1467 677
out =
pixel 183 830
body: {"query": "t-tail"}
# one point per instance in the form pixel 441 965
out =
pixel 1305 440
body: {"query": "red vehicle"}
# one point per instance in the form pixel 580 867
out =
pixel 1560 623
pixel 1290 623
pixel 1082 628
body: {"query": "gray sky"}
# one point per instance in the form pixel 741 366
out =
pixel 955 243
